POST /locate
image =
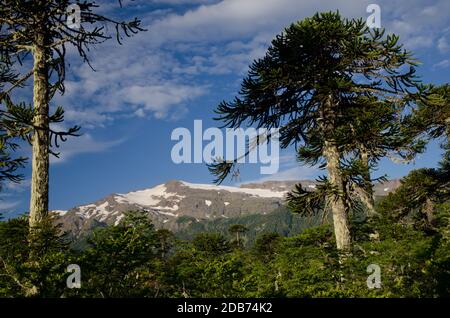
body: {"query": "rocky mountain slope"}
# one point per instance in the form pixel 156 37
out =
pixel 176 204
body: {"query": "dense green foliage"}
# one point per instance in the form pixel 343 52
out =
pixel 8 164
pixel 133 259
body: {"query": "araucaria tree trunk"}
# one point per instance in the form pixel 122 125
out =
pixel 40 139
pixel 337 202
pixel 367 195
pixel 338 205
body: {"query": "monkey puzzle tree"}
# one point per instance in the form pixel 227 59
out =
pixel 423 188
pixel 433 114
pixel 43 29
pixel 8 165
pixel 309 79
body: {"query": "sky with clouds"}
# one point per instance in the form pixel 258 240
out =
pixel 193 55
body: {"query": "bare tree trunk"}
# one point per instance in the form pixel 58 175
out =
pixel 366 200
pixel 40 139
pixel 337 203
pixel 428 209
pixel 366 195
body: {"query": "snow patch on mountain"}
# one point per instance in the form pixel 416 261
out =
pixel 59 212
pixel 152 198
pixel 263 193
pixel 147 197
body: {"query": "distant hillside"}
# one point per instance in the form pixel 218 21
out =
pixel 280 221
pixel 183 206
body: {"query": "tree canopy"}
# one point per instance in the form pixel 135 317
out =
pixel 322 82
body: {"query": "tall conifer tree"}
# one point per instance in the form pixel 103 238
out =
pixel 42 30
pixel 312 77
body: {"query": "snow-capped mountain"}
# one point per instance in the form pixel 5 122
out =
pixel 167 202
pixel 172 204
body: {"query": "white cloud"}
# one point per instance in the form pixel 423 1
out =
pixel 443 45
pixel 17 187
pixel 231 19
pixel 419 23
pixel 8 205
pixel 160 98
pixel 82 145
pixel 12 194
pixel 418 42
pixel 129 80
pixel 88 118
pixel 442 64
pixel 294 173
pixel 85 143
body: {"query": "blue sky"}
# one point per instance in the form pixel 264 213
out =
pixel 193 56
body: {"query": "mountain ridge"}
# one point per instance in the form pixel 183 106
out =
pixel 167 202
